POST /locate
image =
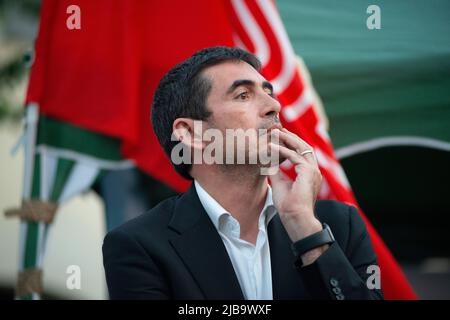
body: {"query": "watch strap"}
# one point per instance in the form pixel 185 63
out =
pixel 318 239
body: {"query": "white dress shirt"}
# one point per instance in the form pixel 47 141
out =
pixel 251 263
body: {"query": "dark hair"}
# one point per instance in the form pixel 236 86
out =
pixel 183 92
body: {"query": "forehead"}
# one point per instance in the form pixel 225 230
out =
pixel 223 75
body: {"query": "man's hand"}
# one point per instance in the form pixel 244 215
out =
pixel 295 200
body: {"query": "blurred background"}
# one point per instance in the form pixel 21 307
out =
pixel 386 97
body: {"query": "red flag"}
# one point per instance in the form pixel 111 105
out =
pixel 101 77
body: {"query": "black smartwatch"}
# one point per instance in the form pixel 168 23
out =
pixel 313 241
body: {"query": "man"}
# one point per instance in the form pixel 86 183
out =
pixel 232 236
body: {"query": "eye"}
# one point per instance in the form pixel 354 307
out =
pixel 269 92
pixel 243 96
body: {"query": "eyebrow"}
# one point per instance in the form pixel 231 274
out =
pixel 251 83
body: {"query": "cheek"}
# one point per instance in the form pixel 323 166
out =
pixel 239 119
pixel 233 115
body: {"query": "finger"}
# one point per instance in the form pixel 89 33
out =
pixel 287 153
pixel 294 139
pixel 279 180
pixel 310 156
pixel 303 169
pixel 310 176
pixel 294 142
pixel 303 145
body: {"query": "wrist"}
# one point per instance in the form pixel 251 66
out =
pixel 299 227
pixel 312 255
pixel 307 250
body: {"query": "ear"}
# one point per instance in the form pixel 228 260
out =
pixel 189 132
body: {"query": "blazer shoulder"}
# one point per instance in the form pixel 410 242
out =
pixel 153 221
pixel 344 220
pixel 332 211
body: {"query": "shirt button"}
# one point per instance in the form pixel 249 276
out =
pixel 337 290
pixel 334 282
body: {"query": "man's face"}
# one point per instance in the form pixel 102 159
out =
pixel 240 98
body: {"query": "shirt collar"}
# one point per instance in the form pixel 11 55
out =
pixel 215 211
pixel 269 208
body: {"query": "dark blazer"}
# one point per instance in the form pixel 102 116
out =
pixel 175 252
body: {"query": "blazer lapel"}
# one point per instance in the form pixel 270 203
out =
pixel 286 281
pixel 199 245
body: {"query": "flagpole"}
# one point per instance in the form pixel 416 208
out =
pixel 30 133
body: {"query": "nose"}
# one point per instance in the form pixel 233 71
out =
pixel 271 107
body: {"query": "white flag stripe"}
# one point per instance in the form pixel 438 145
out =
pixel 295 110
pixel 48 170
pixel 86 159
pixel 288 66
pixel 252 27
pixel 322 132
pixel 31 119
pixel 332 166
pixel 81 178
